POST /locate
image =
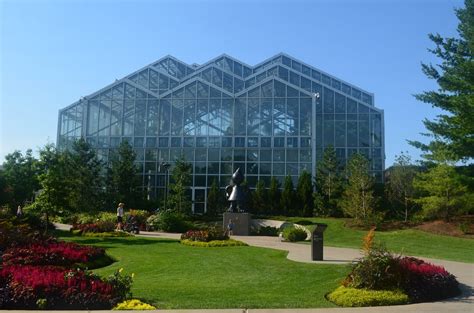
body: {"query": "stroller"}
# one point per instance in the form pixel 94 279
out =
pixel 131 225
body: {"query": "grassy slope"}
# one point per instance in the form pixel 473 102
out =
pixel 407 241
pixel 171 275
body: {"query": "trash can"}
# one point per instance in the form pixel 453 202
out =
pixel 317 242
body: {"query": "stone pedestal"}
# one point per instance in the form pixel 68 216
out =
pixel 241 223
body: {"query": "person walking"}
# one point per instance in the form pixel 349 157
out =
pixel 19 211
pixel 120 216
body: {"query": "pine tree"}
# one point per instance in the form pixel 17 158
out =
pixel 287 201
pixel 274 195
pixel 181 176
pixel 455 76
pixel 443 194
pixel 260 199
pixel 214 200
pixel 399 186
pixel 358 199
pixel 87 175
pixel 122 177
pixel 304 191
pixel 329 182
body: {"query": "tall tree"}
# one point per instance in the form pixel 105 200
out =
pixel 304 192
pixel 181 177
pixel 56 183
pixel 87 176
pixel 443 194
pixel 358 199
pixel 21 175
pixel 260 198
pixel 5 190
pixel 274 195
pixel 287 200
pixel 399 186
pixel 215 204
pixel 122 177
pixel 455 96
pixel 329 182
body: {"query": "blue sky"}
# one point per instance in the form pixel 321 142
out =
pixel 54 52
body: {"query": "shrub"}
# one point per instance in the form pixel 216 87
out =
pixel 214 243
pixel 427 282
pixel 294 234
pixel 16 235
pixel 169 221
pixel 377 270
pixel 51 253
pixel 97 227
pixel 134 304
pixel 352 297
pixel 267 231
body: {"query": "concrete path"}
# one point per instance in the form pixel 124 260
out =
pixel 464 272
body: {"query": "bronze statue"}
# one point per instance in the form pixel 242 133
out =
pixel 235 194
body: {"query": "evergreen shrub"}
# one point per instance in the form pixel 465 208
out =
pixel 294 234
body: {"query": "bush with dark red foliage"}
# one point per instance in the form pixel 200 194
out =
pixel 381 270
pixel 424 281
pixel 51 253
pixel 98 227
pixel 205 235
pixel 58 288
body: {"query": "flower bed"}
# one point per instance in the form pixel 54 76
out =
pixel 51 287
pixel 424 281
pixel 379 270
pixel 51 253
pixel 211 234
pixel 98 227
pixel 213 243
pixel 353 297
pixel 134 304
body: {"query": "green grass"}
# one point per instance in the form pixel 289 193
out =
pixel 170 275
pixel 406 241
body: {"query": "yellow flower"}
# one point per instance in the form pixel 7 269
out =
pixel 120 270
pixel 133 275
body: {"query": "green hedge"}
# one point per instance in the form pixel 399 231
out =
pixel 213 243
pixel 352 297
pixel 294 234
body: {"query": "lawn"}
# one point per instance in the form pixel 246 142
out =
pixel 407 241
pixel 173 276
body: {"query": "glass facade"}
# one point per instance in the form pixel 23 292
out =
pixel 272 119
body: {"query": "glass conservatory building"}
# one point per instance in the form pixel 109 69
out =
pixel 271 119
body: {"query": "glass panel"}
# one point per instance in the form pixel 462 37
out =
pixel 340 134
pixel 177 117
pixel 328 133
pixel 328 101
pixel 352 140
pixel 340 103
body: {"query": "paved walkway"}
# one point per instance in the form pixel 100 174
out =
pixel 464 272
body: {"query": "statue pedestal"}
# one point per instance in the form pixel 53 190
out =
pixel 241 223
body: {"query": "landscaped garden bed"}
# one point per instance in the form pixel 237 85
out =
pixel 381 278
pixel 213 237
pixel 41 272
